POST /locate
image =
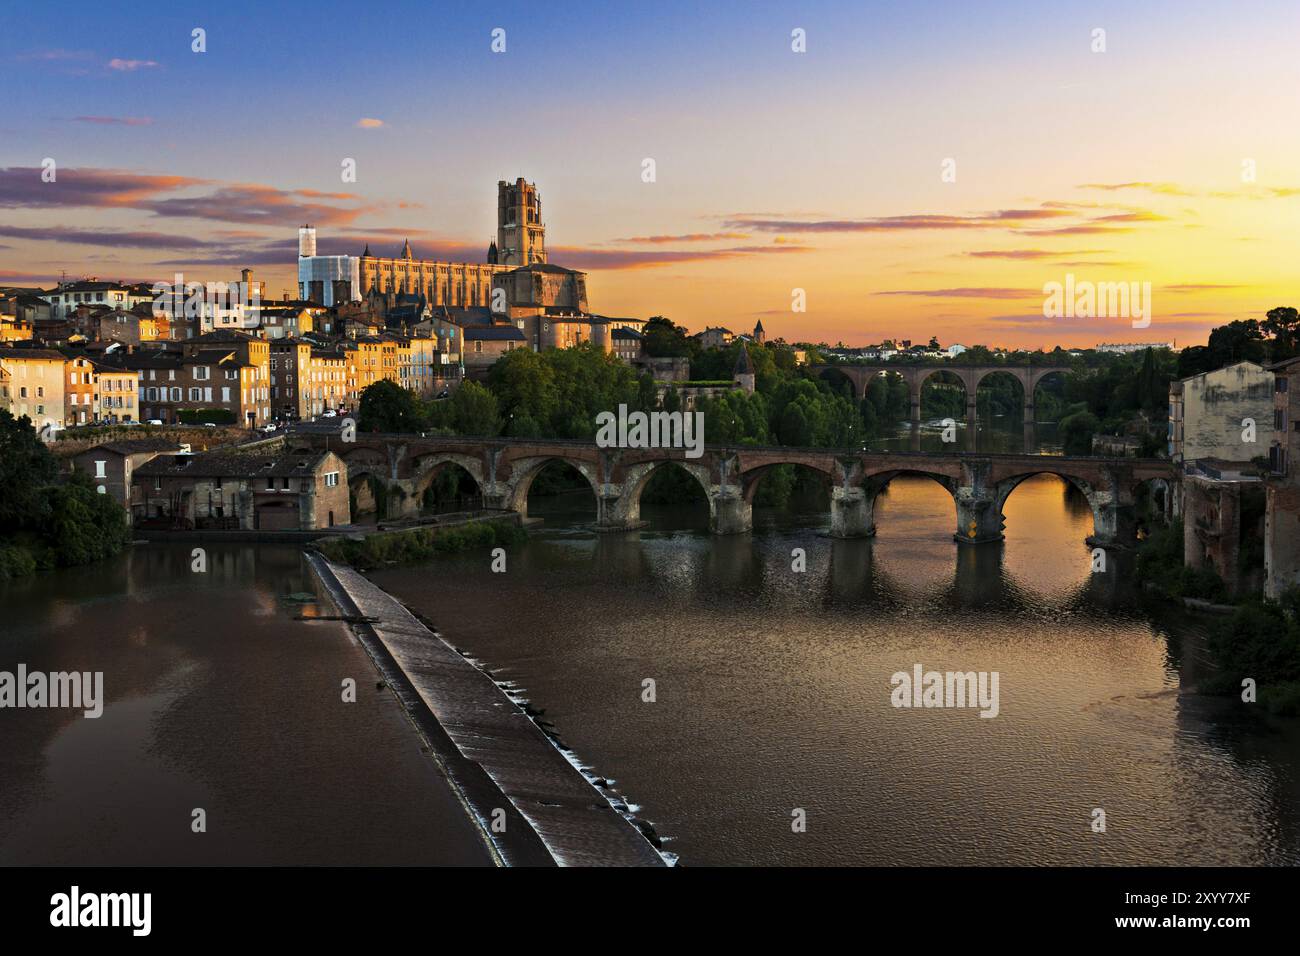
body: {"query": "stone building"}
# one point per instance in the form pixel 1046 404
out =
pixel 111 465
pixel 290 377
pixel 1223 517
pixel 1282 516
pixel 1208 413
pixel 32 385
pixel 520 241
pixel 272 492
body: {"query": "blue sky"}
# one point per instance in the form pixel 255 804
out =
pixel 738 125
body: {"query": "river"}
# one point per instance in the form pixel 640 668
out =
pixel 219 699
pixel 772 688
pixel 771 696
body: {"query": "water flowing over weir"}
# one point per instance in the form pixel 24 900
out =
pixel 499 760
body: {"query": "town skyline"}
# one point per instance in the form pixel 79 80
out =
pixel 763 184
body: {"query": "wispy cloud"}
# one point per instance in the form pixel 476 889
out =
pixel 969 292
pixel 246 203
pixel 1163 189
pixel 115 120
pixel 1030 254
pixel 369 122
pixel 130 66
pixel 686 237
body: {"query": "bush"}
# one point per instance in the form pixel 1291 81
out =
pixel 419 544
pixel 16 561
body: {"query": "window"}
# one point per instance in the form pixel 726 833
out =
pixel 331 479
pixel 101 466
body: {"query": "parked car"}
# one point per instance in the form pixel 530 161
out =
pixel 209 424
pixel 330 413
pixel 153 421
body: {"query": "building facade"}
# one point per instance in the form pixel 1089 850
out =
pixel 1212 415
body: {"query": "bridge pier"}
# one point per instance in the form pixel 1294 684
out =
pixel 403 502
pixel 1114 527
pixel 1114 514
pixel 730 513
pixel 617 511
pixel 979 506
pixel 852 513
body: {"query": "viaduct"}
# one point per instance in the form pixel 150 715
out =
pixel 971 376
pixel 504 470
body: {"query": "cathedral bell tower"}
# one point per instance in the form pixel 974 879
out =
pixel 521 234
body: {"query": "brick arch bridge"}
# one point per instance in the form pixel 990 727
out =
pixel 970 375
pixel 504 470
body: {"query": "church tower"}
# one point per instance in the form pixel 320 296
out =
pixel 521 234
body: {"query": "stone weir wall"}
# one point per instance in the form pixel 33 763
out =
pixel 500 762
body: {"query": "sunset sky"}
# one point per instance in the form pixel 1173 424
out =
pixel 775 170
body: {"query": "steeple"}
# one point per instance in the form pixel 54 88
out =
pixel 366 254
pixel 743 377
pixel 492 253
pixel 406 250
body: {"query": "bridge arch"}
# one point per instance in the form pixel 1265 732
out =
pixel 638 476
pixel 526 469
pixel 750 480
pixel 1096 498
pixel 428 469
pixel 875 484
pixel 837 378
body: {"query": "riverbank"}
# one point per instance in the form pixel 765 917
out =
pixel 530 802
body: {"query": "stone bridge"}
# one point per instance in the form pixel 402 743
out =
pixel 971 376
pixel 504 470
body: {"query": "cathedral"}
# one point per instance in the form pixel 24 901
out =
pixel 520 241
pixel 541 304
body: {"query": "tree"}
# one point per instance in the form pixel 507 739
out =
pixel 661 338
pixel 26 465
pixel 1076 431
pixel 386 406
pixel 474 411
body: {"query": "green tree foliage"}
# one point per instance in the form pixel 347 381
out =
pixel 665 339
pixel 26 466
pixel 386 406
pixel 1076 431
pixel 44 523
pixel 473 411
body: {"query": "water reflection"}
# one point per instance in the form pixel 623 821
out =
pixel 217 697
pixel 773 686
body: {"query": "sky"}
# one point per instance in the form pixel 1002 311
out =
pixel 918 170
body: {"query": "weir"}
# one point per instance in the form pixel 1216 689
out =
pixel 532 805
